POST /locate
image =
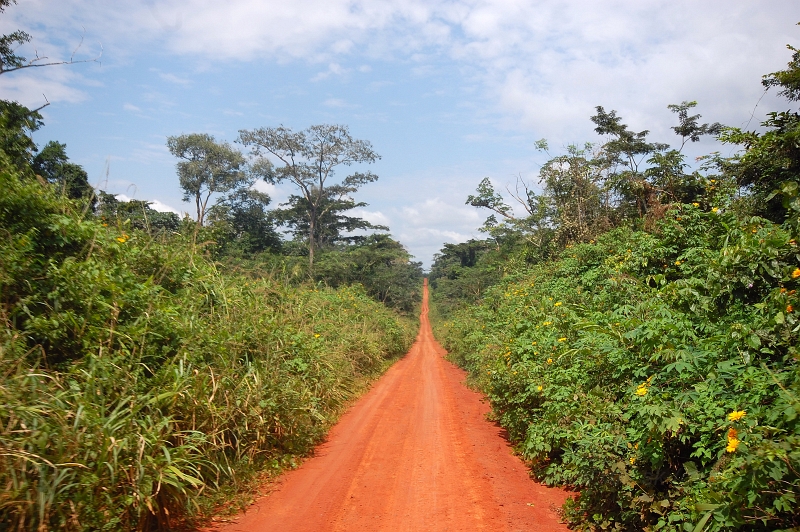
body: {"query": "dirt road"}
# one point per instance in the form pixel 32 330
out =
pixel 414 454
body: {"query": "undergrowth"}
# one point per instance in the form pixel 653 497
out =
pixel 138 382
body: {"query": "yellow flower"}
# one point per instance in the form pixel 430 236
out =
pixel 733 443
pixel 316 336
pixel 677 263
pixel 632 460
pixel 547 323
pixel 796 273
pixel 715 209
pixel 736 415
pixel 641 390
pixel 558 304
pixel 538 388
pixel 549 360
pixel 562 339
pixel 695 204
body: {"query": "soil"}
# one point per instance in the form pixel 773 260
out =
pixel 416 453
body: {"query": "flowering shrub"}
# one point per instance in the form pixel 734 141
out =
pixel 656 373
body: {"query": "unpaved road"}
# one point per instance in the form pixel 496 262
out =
pixel 416 453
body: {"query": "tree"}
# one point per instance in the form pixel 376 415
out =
pixel 381 265
pixel 333 225
pixel 626 152
pixel 309 159
pixel 575 192
pixel 71 179
pixel 17 123
pixel 9 43
pixel 771 160
pixel 207 167
pixel 243 217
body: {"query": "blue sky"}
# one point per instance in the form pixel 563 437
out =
pixel 448 92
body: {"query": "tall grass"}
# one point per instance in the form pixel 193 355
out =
pixel 136 378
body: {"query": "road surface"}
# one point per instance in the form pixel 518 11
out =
pixel 415 453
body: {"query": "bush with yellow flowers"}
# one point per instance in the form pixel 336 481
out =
pixel 655 373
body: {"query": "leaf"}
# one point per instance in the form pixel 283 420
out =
pixel 702 523
pixel 704 506
pixel 754 341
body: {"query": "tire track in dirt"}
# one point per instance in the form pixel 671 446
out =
pixel 416 453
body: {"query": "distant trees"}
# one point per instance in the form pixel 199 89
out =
pixel 206 167
pixel 309 160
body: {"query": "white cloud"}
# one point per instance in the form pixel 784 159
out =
pixel 156 205
pixel 373 217
pixel 334 69
pixel 163 207
pixel 545 64
pixel 339 103
pixel 131 107
pixel 172 78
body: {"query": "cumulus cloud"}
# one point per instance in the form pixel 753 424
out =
pixel 163 207
pixel 543 64
pixel 538 67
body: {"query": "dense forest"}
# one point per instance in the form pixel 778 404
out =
pixel 635 327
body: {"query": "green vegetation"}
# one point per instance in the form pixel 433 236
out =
pixel 138 377
pixel 636 330
pixel 151 367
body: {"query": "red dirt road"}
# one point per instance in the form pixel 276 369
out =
pixel 416 453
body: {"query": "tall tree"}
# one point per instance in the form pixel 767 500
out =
pixel 206 167
pixel 625 153
pixel 771 160
pixel 52 164
pixel 309 159
pixel 17 124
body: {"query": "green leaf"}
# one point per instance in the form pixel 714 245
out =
pixel 702 523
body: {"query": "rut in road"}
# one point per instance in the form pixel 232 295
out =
pixel 416 453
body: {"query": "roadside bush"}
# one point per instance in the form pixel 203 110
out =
pixel 137 379
pixel 655 373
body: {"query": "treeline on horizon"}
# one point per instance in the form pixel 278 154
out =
pixel 636 328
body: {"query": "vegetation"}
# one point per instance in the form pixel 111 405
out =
pixel 153 366
pixel 137 376
pixel 636 329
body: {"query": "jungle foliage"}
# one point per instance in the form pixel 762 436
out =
pixel 137 377
pixel 636 330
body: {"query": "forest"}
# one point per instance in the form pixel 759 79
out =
pixel 635 327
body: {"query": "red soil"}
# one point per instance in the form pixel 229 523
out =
pixel 416 453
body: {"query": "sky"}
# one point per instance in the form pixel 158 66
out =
pixel 447 91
